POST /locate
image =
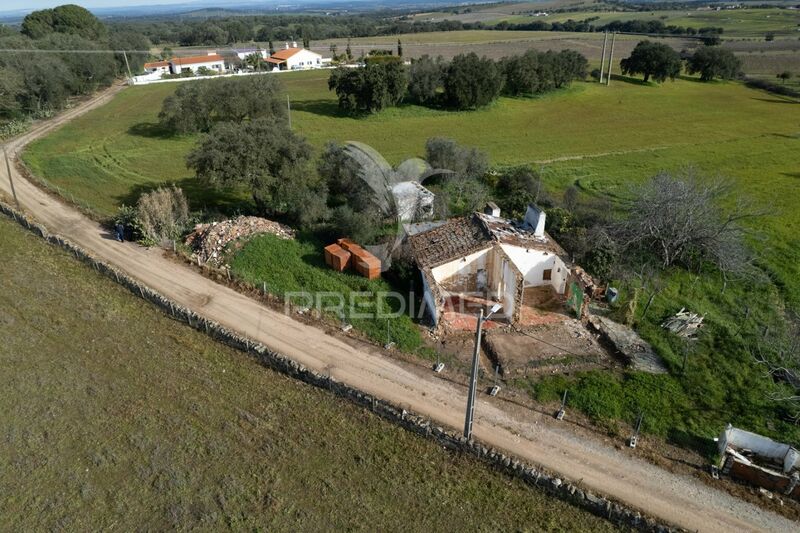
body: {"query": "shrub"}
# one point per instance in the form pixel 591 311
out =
pixel 162 214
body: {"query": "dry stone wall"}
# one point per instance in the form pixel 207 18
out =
pixel 554 485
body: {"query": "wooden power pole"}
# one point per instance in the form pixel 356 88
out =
pixel 603 56
pixel 611 57
pixel 10 179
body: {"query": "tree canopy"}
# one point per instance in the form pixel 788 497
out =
pixel 43 82
pixel 374 87
pixel 264 157
pixel 425 78
pixel 714 62
pixel 68 18
pixel 471 82
pixel 536 72
pixel 655 60
pixel 196 107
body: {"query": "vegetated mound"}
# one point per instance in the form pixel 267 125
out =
pixel 209 240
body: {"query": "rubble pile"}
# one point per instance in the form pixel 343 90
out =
pixel 684 323
pixel 208 241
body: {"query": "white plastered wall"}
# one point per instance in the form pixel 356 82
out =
pixel 532 263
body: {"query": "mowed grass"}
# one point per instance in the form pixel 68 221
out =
pixel 115 416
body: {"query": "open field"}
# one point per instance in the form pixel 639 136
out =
pixel 599 138
pixel 115 416
pixel 747 22
pixel 495 44
pixel 734 22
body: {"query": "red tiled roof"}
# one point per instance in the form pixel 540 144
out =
pixel 286 54
pixel 156 64
pixel 197 59
pixel 273 60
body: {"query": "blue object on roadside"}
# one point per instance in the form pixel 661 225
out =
pixel 612 295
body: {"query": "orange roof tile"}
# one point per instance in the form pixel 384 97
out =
pixel 196 59
pixel 286 54
pixel 156 64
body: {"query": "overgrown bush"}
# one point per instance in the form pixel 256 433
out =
pixel 162 214
pixel 13 127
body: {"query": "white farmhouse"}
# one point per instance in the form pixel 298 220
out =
pixel 294 58
pixel 157 67
pixel 244 53
pixel 211 61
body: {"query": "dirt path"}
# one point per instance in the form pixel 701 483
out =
pixel 531 436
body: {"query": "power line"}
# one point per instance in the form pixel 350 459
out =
pixel 40 50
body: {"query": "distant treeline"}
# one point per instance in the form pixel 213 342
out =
pixel 466 82
pixel 266 28
pixel 222 31
pixel 654 27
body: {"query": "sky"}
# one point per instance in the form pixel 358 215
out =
pixel 11 5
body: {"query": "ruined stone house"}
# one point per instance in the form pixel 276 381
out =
pixel 476 261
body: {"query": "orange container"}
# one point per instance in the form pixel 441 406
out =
pixel 362 261
pixel 337 257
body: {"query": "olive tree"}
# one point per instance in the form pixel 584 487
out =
pixel 714 62
pixel 653 60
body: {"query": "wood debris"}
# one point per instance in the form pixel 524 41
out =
pixel 685 324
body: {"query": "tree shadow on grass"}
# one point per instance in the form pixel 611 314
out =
pixel 632 80
pixel 778 100
pixel 327 108
pixel 695 79
pixel 150 130
pixel 202 197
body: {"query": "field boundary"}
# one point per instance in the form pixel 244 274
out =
pixel 613 511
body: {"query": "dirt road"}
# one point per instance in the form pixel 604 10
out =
pixel 531 436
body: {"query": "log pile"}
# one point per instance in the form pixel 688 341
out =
pixel 208 241
pixel 685 324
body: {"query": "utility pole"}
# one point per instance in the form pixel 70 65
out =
pixel 611 57
pixel 473 380
pixel 473 377
pixel 127 65
pixel 603 56
pixel 10 179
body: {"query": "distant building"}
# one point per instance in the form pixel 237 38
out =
pixel 295 58
pixel 157 67
pixel 244 53
pixel 212 61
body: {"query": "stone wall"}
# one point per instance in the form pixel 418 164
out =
pixel 563 489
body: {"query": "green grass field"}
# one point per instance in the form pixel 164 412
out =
pixel 116 417
pixel 299 266
pixel 601 139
